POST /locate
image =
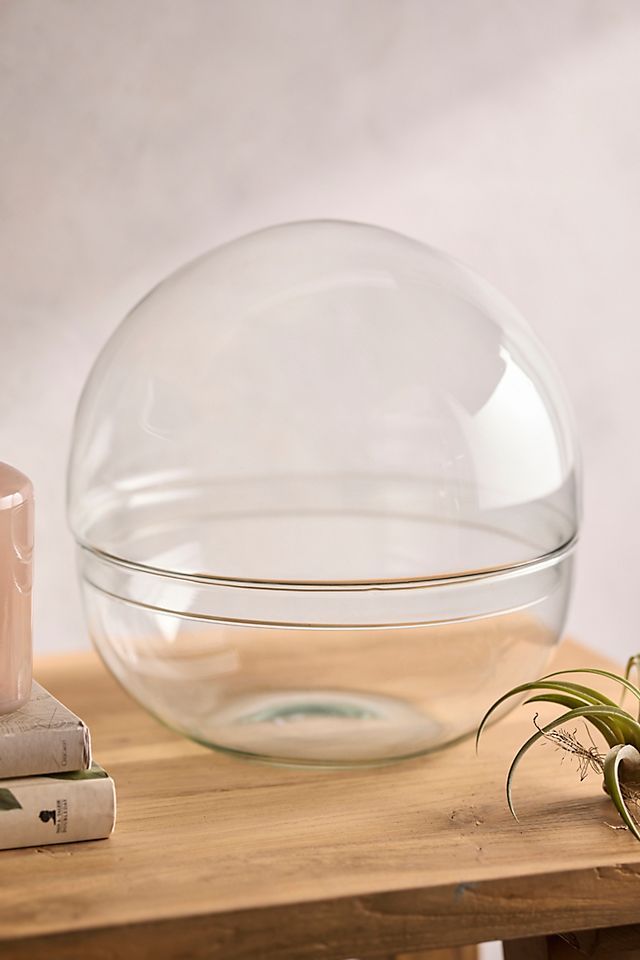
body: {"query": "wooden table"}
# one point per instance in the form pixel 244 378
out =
pixel 221 859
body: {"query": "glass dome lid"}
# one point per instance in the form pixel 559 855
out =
pixel 323 403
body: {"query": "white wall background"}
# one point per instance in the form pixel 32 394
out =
pixel 135 135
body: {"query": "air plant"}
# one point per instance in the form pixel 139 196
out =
pixel 620 765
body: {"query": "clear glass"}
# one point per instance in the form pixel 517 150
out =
pixel 323 483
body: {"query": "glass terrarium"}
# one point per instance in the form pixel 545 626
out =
pixel 323 484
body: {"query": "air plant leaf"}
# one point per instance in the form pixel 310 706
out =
pixel 620 766
pixel 612 768
pixel 587 695
pixel 624 682
pixel 572 703
pixel 632 663
pixel 587 712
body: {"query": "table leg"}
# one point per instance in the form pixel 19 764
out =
pixel 613 943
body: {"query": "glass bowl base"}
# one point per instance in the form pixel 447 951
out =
pixel 320 727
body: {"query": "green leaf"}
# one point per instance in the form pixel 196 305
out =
pixel 587 694
pixel 8 800
pixel 95 772
pixel 594 696
pixel 626 684
pixel 588 713
pixel 631 663
pixel 608 732
pixel 612 780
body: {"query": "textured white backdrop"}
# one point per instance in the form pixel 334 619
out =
pixel 134 136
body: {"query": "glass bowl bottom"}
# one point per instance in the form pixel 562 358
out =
pixel 361 667
pixel 321 727
pixel 320 697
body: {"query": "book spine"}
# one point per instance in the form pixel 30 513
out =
pixel 33 752
pixel 39 811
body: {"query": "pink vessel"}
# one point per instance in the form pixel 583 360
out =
pixel 16 575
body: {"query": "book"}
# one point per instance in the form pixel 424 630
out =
pixel 57 808
pixel 43 736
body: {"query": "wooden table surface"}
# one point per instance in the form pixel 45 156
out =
pixel 219 858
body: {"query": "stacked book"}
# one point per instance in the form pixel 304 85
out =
pixel 50 790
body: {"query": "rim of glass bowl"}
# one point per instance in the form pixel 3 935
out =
pixel 403 583
pixel 342 605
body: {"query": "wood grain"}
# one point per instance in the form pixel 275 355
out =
pixel 217 858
